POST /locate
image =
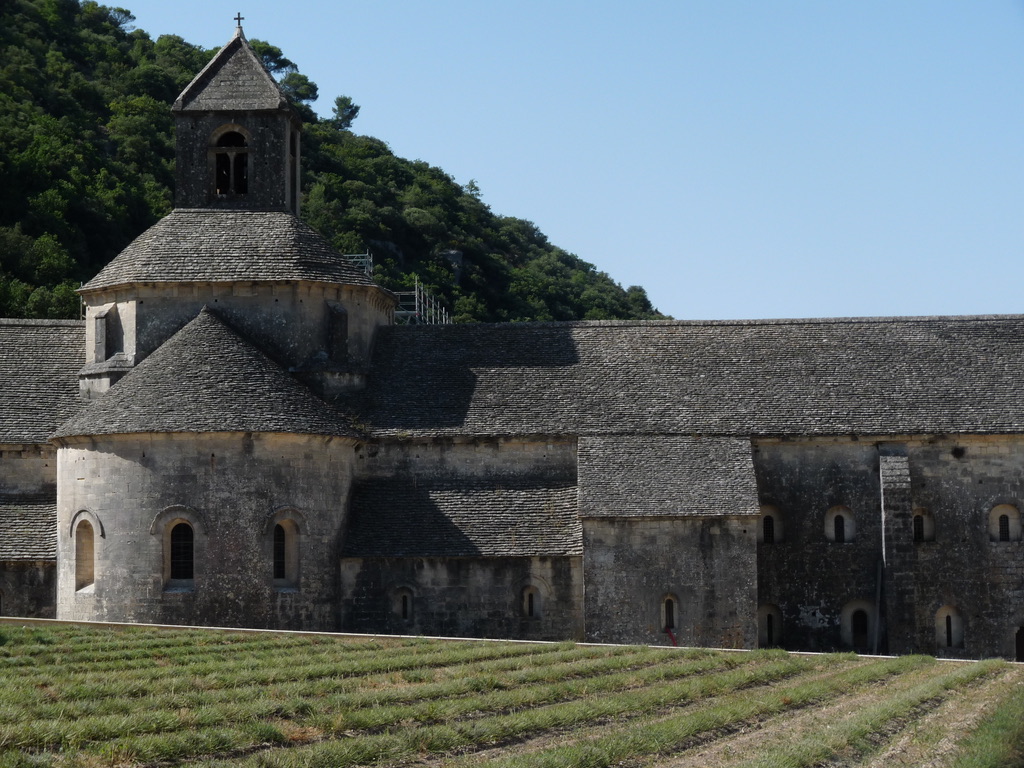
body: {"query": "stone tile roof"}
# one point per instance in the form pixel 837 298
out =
pixel 207 378
pixel 666 475
pixel 798 377
pixel 28 529
pixel 39 363
pixel 235 79
pixel 463 517
pixel 215 245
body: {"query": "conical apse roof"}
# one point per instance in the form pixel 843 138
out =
pixel 207 378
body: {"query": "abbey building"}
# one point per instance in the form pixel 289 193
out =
pixel 239 435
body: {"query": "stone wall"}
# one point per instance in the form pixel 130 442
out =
pixel 465 597
pixel 959 482
pixel 269 179
pixel 290 321
pixel 956 568
pixel 28 470
pixel 28 588
pixel 467 457
pixel 806 575
pixel 233 489
pixel 705 565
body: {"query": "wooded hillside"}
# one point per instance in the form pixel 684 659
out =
pixel 87 164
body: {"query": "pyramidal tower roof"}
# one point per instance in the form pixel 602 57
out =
pixel 235 79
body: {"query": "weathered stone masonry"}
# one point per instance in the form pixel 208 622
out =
pixel 237 434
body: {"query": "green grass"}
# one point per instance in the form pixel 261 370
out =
pixel 95 696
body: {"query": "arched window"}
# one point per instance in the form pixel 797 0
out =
pixel 840 525
pixel 231 164
pixel 1004 523
pixel 182 552
pixel 924 526
pixel 285 554
pixel 770 529
pixel 181 532
pixel 669 613
pixel 949 628
pixel 530 603
pixel 857 626
pixel 85 559
pixel 283 547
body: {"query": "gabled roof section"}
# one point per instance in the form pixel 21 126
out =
pixel 493 516
pixel 666 476
pixel 875 376
pixel 235 79
pixel 28 529
pixel 39 363
pixel 207 378
pixel 208 245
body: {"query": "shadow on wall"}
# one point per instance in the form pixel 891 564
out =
pixel 463 517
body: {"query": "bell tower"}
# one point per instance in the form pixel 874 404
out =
pixel 237 137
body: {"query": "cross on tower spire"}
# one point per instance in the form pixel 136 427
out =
pixel 239 18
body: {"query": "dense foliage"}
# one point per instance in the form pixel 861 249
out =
pixel 87 158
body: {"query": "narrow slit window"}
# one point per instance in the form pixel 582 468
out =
pixel 280 552
pixel 918 528
pixel 769 529
pixel 840 529
pixel 670 613
pixel 1004 527
pixel 531 603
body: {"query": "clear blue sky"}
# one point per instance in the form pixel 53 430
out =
pixel 736 159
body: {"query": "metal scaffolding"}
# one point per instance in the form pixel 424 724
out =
pixel 363 261
pixel 415 307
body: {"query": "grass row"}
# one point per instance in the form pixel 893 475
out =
pixel 291 701
pixel 77 700
pixel 343 712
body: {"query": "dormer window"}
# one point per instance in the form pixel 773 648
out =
pixel 231 164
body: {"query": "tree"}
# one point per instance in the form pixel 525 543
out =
pixel 345 111
pixel 273 59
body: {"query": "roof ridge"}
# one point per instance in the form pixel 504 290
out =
pixel 782 321
pixel 15 321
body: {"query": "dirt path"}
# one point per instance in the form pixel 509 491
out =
pixel 755 737
pixel 931 742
